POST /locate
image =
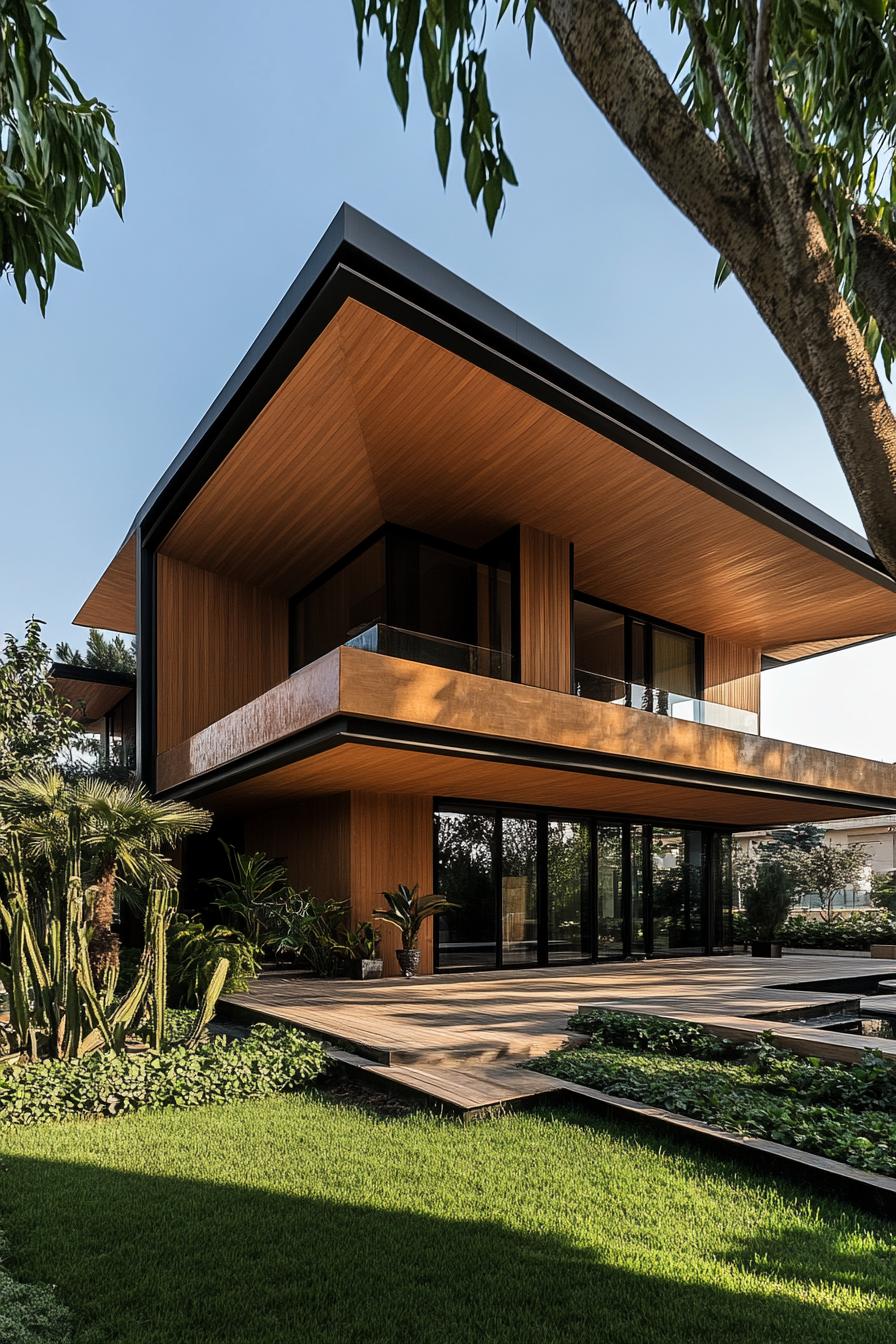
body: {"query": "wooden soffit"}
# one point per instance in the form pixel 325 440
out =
pixel 91 697
pixel 113 603
pixel 377 423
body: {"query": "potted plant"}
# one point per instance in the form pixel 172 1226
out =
pixel 767 899
pixel 361 945
pixel 408 911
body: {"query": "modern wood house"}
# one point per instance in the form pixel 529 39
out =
pixel 428 598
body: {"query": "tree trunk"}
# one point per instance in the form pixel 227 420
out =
pixel 103 948
pixel 876 276
pixel 762 225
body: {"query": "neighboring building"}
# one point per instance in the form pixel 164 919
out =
pixel 427 598
pixel 105 704
pixel 876 834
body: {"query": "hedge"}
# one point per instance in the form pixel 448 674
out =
pixel 841 1111
pixel 269 1059
pixel 845 933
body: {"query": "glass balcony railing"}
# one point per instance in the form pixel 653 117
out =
pixel 592 686
pixel 484 662
pixel 417 648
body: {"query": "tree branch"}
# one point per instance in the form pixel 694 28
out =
pixel 622 78
pixel 728 128
pixel 875 279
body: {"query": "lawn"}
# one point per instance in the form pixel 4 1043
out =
pixel 300 1218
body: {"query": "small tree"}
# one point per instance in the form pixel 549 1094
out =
pixel 883 891
pixel 36 726
pixel 828 870
pixel 107 654
pixel 767 890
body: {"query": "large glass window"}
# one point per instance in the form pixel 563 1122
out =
pixel 412 599
pixel 342 606
pixel 536 888
pixel 677 890
pixel 465 874
pixel 569 890
pixel 610 892
pixel 519 891
pixel 612 648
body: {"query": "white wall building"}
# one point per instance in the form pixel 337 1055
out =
pixel 877 834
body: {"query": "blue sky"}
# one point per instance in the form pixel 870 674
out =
pixel 243 129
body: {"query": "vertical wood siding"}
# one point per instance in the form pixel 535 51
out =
pixel 545 653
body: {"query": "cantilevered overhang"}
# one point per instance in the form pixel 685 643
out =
pixel 386 389
pixel 91 692
pixel 355 719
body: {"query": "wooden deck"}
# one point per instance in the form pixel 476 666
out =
pixel 456 1038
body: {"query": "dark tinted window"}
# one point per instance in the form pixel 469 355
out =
pixel 342 606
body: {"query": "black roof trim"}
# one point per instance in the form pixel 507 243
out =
pixel 358 258
pixel 99 676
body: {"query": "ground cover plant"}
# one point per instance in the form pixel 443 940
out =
pixel 305 1217
pixel 268 1060
pixel 842 1111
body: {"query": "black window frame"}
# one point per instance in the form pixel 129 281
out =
pixel 500 551
pixel 710 875
pixel 650 623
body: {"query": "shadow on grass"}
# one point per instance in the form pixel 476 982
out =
pixel 162 1260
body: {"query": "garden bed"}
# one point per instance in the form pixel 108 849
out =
pixel 846 1113
pixel 267 1060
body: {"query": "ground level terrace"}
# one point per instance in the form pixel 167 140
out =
pixel 471 1023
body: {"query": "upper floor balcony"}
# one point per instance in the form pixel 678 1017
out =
pixel 395 711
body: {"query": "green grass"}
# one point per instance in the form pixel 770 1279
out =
pixel 296 1218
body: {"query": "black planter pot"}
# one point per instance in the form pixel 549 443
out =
pixel 408 960
pixel 760 949
pixel 368 968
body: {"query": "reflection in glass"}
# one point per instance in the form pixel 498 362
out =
pixel 519 891
pixel 569 887
pixel 465 874
pixel 677 890
pixel 610 892
pixel 342 606
pixel 638 947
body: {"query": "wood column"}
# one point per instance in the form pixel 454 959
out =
pixel 545 610
pixel 353 846
pixel 731 674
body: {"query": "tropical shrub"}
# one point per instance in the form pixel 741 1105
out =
pixel 408 911
pixel 194 953
pixel 269 1059
pixel 315 934
pixel 258 895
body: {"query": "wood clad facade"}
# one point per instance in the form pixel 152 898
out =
pixel 220 643
pixel 545 570
pixel 351 847
pixel 731 674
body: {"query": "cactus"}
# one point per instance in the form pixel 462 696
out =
pixel 206 1010
pixel 58 1005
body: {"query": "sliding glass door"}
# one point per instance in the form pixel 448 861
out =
pixel 519 891
pixel 465 845
pixel 540 888
pixel 568 890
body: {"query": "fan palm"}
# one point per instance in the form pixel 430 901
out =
pixel 123 833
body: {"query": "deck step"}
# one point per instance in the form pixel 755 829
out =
pixel 467 1092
